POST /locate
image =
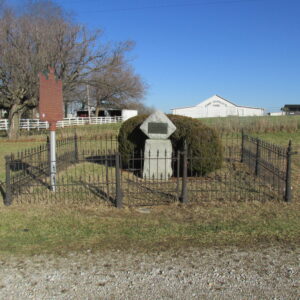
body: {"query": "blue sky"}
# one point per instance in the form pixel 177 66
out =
pixel 247 51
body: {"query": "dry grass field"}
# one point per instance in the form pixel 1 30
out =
pixel 59 228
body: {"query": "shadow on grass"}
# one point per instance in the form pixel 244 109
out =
pixel 97 191
pixel 2 190
pixel 34 173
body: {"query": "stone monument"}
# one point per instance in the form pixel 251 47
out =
pixel 158 148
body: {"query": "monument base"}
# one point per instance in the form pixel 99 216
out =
pixel 157 159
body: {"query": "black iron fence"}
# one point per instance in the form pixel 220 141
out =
pixel 92 170
pixel 270 162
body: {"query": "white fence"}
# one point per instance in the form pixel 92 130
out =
pixel 3 124
pixel 28 124
pixel 83 121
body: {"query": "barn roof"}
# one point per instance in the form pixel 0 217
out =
pixel 220 98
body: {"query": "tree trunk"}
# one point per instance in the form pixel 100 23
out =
pixel 14 123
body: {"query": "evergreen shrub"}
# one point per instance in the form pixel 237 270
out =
pixel 203 142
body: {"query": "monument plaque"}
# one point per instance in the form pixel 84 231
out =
pixel 153 128
pixel 158 148
pixel 158 128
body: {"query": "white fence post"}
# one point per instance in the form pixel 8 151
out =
pixel 37 124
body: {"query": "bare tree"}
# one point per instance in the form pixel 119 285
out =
pixel 117 85
pixel 142 108
pixel 44 36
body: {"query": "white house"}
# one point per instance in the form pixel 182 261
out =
pixel 217 106
pixel 128 113
pixel 276 114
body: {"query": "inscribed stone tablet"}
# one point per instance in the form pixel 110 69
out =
pixel 161 128
pixel 158 126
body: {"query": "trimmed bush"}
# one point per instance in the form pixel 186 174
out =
pixel 203 143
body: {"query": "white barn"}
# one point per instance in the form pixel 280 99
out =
pixel 217 106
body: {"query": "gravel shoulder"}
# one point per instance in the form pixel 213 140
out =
pixel 228 273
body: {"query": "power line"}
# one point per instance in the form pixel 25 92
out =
pixel 162 6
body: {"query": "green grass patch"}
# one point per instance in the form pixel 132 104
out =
pixel 58 229
pixel 7 147
pixel 281 138
pixel 29 230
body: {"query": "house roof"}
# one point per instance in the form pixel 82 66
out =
pixel 292 106
pixel 218 97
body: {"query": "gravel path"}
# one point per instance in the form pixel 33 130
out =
pixel 230 273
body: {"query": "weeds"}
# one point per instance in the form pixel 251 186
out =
pixel 265 124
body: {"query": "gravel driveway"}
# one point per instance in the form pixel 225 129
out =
pixel 229 273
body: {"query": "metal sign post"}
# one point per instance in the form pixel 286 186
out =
pixel 51 110
pixel 53 159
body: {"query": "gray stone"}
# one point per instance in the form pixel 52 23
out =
pixel 158 149
pixel 158 126
pixel 157 159
pixel 144 210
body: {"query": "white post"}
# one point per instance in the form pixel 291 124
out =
pixel 52 160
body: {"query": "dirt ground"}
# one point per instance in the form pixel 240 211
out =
pixel 227 273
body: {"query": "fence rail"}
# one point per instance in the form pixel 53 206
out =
pixel 270 161
pixel 28 124
pixel 91 169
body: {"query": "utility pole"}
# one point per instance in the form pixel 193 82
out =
pixel 88 99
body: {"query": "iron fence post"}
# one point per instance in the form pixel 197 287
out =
pixel 48 154
pixel 8 195
pixel 243 145
pixel 76 148
pixel 257 157
pixel 184 194
pixel 288 176
pixel 178 175
pixel 119 199
pixel 106 177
